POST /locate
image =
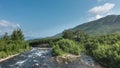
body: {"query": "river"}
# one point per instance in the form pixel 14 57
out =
pixel 42 58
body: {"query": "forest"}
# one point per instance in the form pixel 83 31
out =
pixel 13 44
pixel 104 49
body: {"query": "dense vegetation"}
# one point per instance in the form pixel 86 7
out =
pixel 38 42
pixel 104 49
pixel 65 46
pixel 13 44
pixel 71 43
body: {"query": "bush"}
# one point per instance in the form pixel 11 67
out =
pixel 13 44
pixel 66 46
pixel 3 54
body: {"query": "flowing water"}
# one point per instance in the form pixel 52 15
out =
pixel 42 58
pixel 30 59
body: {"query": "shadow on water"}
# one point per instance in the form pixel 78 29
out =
pixel 41 58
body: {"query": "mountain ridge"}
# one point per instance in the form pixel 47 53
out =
pixel 106 25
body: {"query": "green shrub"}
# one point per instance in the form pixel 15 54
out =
pixel 66 46
pixel 13 44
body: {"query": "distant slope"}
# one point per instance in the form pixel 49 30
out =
pixel 29 37
pixel 106 25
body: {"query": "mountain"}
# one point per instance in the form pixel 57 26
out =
pixel 106 25
pixel 29 38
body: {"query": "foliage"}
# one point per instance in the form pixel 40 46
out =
pixel 17 35
pixel 105 49
pixel 68 34
pixel 13 44
pixel 36 42
pixel 66 46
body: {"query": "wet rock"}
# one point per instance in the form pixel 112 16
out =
pixel 36 65
pixel 35 61
pixel 66 62
pixel 45 65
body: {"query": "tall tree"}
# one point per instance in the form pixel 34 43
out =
pixel 20 34
pixel 6 37
pixel 17 35
pixel 68 34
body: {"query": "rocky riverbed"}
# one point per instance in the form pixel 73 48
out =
pixel 42 58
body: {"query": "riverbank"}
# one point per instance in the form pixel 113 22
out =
pixel 69 61
pixel 11 56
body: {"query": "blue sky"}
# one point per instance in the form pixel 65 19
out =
pixel 42 18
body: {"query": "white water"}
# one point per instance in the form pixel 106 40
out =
pixel 19 63
pixel 35 57
pixel 40 58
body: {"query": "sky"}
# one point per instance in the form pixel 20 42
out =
pixel 44 18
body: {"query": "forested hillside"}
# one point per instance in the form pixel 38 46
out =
pixel 106 25
pixel 103 26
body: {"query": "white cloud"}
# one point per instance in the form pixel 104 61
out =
pixel 7 26
pixel 98 16
pixel 102 9
pixel 98 12
pixel 95 17
pixel 5 23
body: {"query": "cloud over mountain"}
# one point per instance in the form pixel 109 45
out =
pixel 101 10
